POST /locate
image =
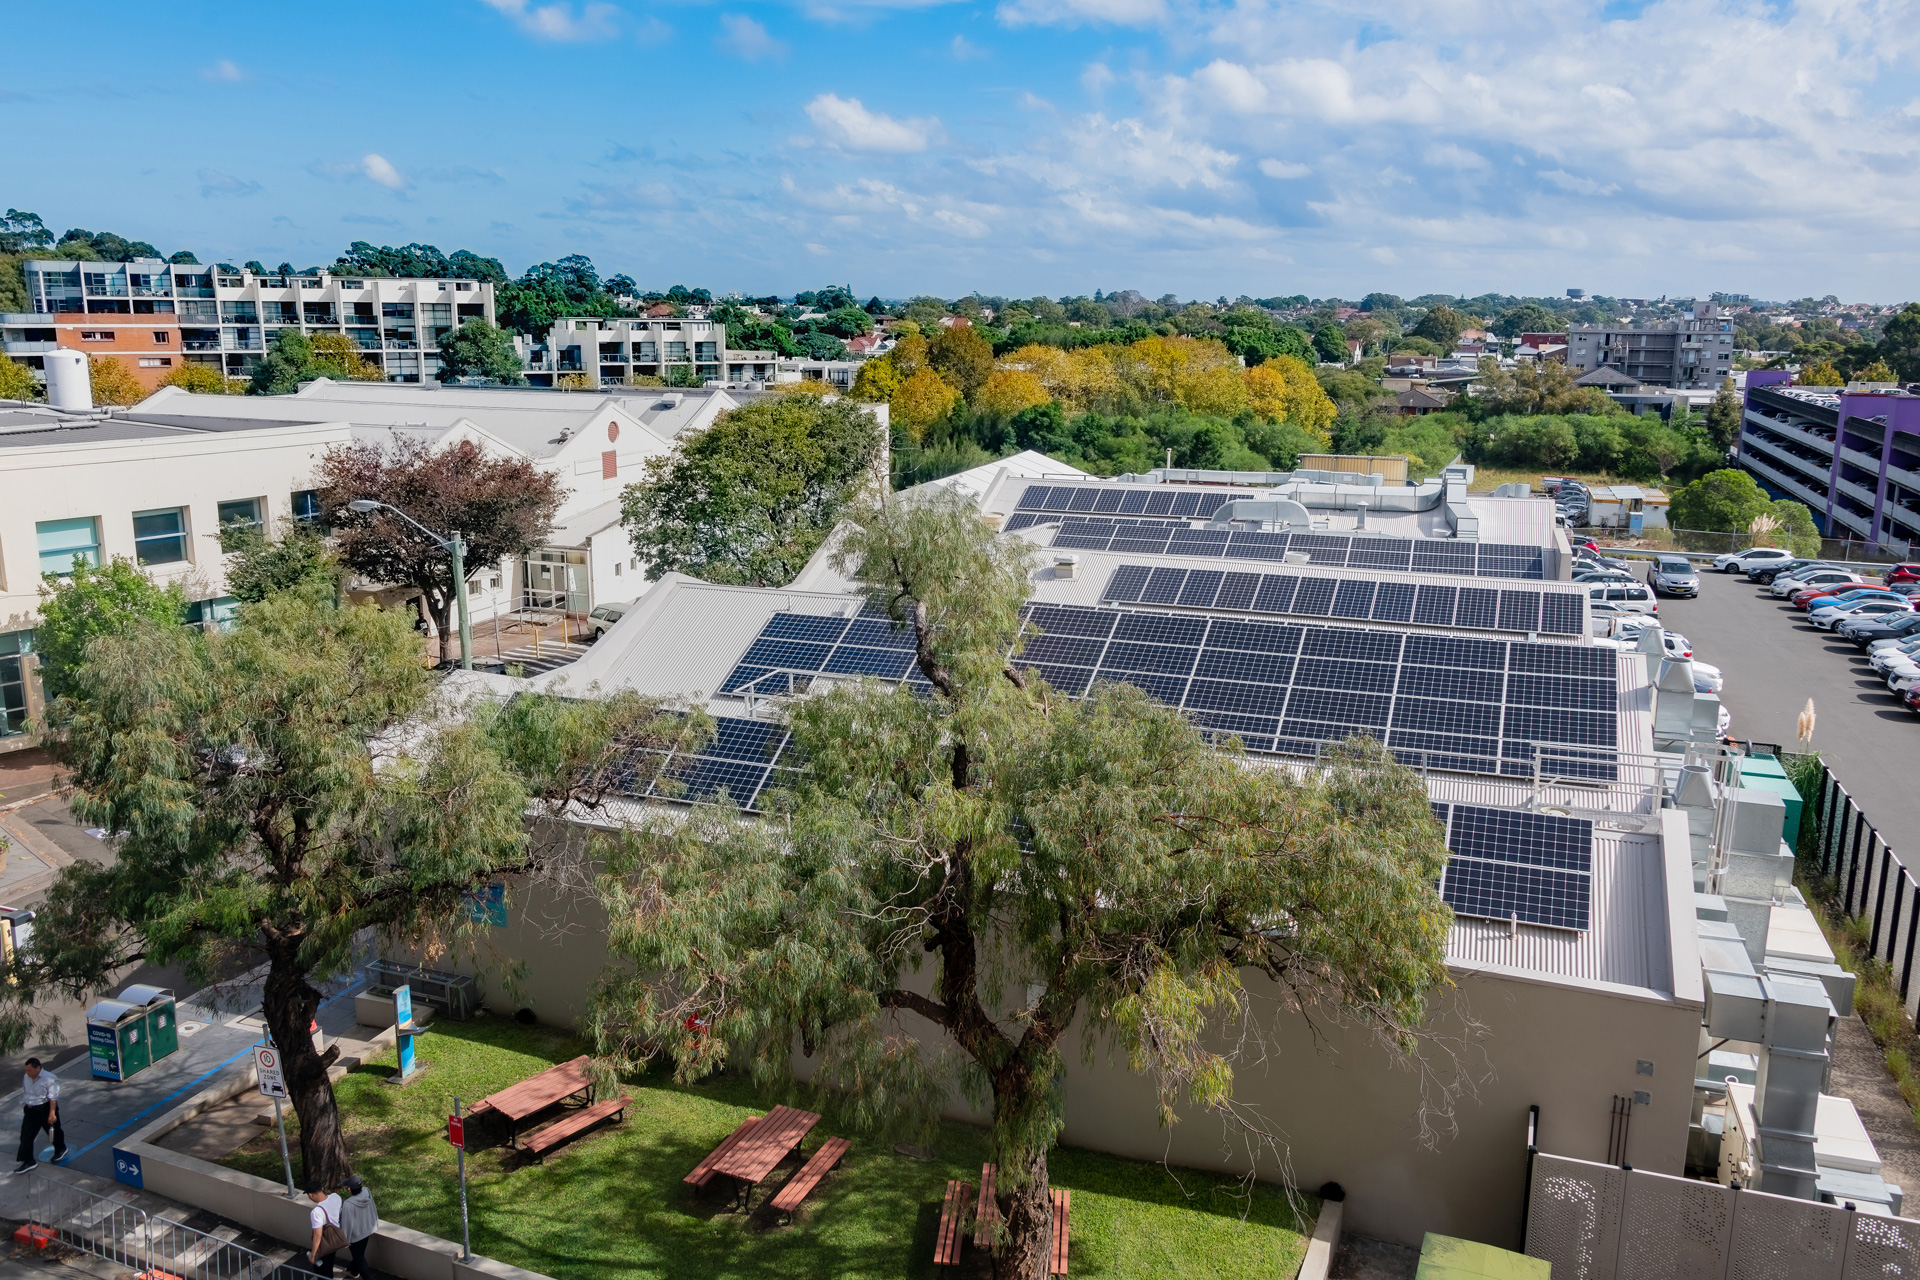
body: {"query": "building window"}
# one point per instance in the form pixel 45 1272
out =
pixel 609 465
pixel 213 615
pixel 96 335
pixel 13 682
pixel 156 362
pixel 306 506
pixel 162 338
pixel 61 541
pixel 241 513
pixel 465 286
pixel 160 537
pixel 349 284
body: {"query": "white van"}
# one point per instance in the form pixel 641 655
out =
pixel 1627 599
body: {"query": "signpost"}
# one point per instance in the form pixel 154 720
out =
pixel 273 1084
pixel 404 1029
pixel 457 1135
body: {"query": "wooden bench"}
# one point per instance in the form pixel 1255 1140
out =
pixel 802 1183
pixel 953 1213
pixel 536 1093
pixel 987 1212
pixel 585 1118
pixel 703 1172
pixel 1057 1255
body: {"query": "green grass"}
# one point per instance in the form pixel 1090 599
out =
pixel 612 1203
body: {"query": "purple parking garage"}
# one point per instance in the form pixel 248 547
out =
pixel 1852 457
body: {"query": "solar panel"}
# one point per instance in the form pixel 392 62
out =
pixel 1515 835
pixel 1509 864
pixel 737 765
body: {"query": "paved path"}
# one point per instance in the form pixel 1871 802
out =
pixel 1774 662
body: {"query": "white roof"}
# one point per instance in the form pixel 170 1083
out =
pixel 1027 464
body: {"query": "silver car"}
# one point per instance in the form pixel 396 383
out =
pixel 1673 576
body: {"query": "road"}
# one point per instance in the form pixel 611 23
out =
pixel 1774 662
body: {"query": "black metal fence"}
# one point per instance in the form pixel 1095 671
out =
pixel 1869 879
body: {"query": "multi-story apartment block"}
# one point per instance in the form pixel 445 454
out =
pixel 1852 456
pixel 153 316
pixel 685 351
pixel 1688 354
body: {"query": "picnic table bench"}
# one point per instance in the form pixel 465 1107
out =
pixel 802 1183
pixel 953 1214
pixel 553 1135
pixel 987 1212
pixel 537 1093
pixel 703 1172
pixel 759 1151
pixel 1057 1254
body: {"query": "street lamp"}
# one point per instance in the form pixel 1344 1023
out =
pixel 455 546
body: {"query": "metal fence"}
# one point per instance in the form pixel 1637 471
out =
pixel 113 1227
pixel 1609 1222
pixel 1869 879
pixel 1707 542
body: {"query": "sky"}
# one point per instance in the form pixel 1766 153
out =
pixel 1197 147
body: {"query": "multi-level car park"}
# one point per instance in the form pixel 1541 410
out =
pixel 1876 613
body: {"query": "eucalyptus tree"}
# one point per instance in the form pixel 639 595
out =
pixel 990 873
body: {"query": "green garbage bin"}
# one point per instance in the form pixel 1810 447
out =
pixel 163 1021
pixel 117 1040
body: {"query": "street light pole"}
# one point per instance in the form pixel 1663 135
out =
pixel 455 547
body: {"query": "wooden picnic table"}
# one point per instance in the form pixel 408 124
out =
pixel 537 1093
pixel 758 1151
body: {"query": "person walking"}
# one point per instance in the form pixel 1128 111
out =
pixel 359 1220
pixel 39 1109
pixel 328 1239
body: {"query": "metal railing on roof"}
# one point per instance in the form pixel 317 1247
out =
pixel 113 1228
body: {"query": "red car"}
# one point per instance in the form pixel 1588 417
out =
pixel 1913 698
pixel 1901 573
pixel 1588 544
pixel 1803 598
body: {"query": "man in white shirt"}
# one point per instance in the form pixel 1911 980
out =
pixel 39 1109
pixel 325 1213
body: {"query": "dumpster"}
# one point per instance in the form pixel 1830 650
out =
pixel 163 1022
pixel 117 1040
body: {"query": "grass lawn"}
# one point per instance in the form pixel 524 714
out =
pixel 612 1203
pixel 1486 478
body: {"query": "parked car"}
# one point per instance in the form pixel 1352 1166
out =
pixel 1584 544
pixel 601 620
pixel 1592 561
pixel 1631 597
pixel 1630 628
pixel 1891 663
pixel 1674 576
pixel 1605 575
pixel 1913 699
pixel 1771 569
pixel 1601 615
pixel 1909 572
pixel 1829 617
pixel 1746 561
pixel 1866 631
pixel 1819 597
pixel 1786 585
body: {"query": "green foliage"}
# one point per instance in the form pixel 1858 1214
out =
pixel 478 350
pixel 1441 325
pixel 751 498
pixel 1724 501
pixel 1900 343
pixel 17 381
pixel 1634 448
pixel 548 291
pixel 916 464
pixel 295 358
pixel 1537 387
pixel 113 599
pixel 1109 444
pixel 1723 415
pixel 1528 317
pixel 1088 866
pixel 418 262
pixel 261 567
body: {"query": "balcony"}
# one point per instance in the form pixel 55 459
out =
pixel 328 319
pixel 201 344
pixel 153 291
pixel 401 344
pixel 193 291
pixel 30 348
pixel 106 291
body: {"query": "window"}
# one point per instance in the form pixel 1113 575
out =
pixel 162 337
pixel 156 362
pixel 13 682
pixel 213 615
pixel 96 335
pixel 465 286
pixel 349 284
pixel 609 465
pixel 306 506
pixel 241 513
pixel 160 537
pixel 60 541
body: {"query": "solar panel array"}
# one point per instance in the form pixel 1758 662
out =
pixel 1508 864
pixel 743 759
pixel 1422 604
pixel 1471 705
pixel 1118 500
pixel 1333 550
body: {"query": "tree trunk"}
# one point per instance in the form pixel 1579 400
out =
pixel 440 608
pixel 289 1003
pixel 1027 1212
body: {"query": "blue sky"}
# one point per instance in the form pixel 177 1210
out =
pixel 1199 147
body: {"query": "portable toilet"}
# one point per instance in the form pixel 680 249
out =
pixel 163 1023
pixel 117 1040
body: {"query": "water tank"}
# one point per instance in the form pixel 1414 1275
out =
pixel 69 386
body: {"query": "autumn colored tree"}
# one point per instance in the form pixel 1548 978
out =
pixel 922 400
pixel 1820 373
pixel 17 382
pixel 962 357
pixel 204 380
pixel 113 382
pixel 1008 391
pixel 501 506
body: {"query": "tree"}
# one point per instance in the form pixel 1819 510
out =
pixel 17 381
pixel 1724 501
pixel 962 357
pixel 261 567
pixel 923 399
pixel 1060 867
pixel 113 382
pixel 21 231
pixel 1441 325
pixel 501 506
pixel 1820 373
pixel 337 356
pixel 238 771
pixel 1723 415
pixel 1008 391
pixel 1875 372
pixel 1533 387
pixel 750 499
pixel 204 379
pixel 1900 343
pixel 296 358
pixel 1330 344
pixel 478 350
pixel 877 381
pixel 1528 317
pixel 93 602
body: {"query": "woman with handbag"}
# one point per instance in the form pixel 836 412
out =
pixel 328 1238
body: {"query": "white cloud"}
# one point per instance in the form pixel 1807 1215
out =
pixel 745 38
pixel 559 22
pixel 965 50
pixel 215 183
pixel 845 122
pixel 1577 185
pixel 377 168
pixel 1232 85
pixel 223 70
pixel 1074 13
pixel 1096 78
pixel 1283 169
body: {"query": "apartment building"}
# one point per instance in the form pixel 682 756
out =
pixel 685 351
pixel 1852 455
pixel 152 487
pixel 153 316
pixel 1691 354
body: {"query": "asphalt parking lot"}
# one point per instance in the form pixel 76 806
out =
pixel 1774 662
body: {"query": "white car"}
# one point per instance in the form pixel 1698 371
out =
pixel 1894 654
pixel 1829 616
pixel 1630 627
pixel 1784 587
pixel 1752 557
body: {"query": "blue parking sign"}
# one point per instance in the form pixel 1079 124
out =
pixel 126 1168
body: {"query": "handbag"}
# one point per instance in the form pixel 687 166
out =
pixel 332 1239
